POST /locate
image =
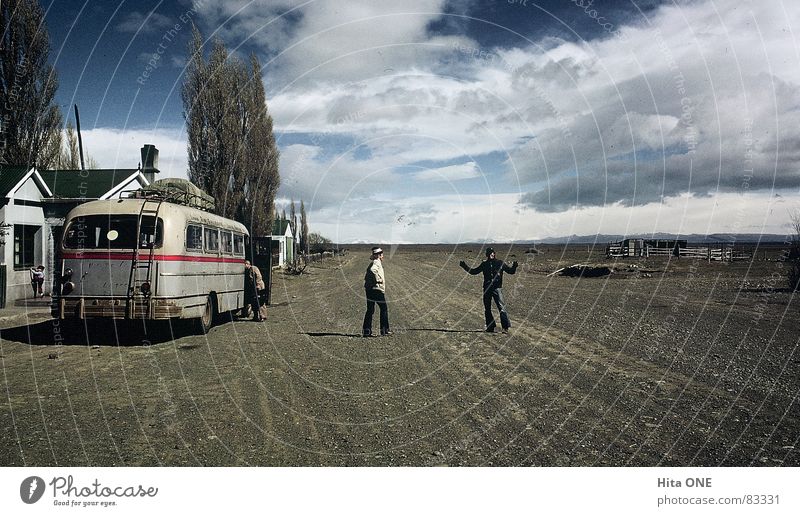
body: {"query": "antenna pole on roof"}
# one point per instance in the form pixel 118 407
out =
pixel 80 140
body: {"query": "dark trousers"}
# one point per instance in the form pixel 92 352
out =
pixel 495 294
pixel 379 298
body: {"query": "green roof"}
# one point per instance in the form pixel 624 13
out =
pixel 80 184
pixel 279 227
pixel 10 176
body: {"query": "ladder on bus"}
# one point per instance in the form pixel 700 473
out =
pixel 142 270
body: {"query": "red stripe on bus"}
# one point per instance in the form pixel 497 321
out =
pixel 156 257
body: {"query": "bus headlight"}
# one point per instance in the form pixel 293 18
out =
pixel 145 288
pixel 68 287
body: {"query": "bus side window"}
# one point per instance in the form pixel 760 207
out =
pixel 212 240
pixel 227 242
pixel 238 244
pixel 194 238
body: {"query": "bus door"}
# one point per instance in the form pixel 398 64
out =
pixel 262 258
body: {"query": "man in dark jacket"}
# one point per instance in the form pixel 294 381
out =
pixel 492 270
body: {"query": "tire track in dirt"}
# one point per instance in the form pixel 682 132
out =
pixel 590 360
pixel 466 370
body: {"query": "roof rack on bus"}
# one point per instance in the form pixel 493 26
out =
pixel 176 191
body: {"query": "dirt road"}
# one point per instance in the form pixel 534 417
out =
pixel 689 363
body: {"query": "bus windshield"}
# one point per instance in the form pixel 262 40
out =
pixel 112 232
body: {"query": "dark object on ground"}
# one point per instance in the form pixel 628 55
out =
pixel 584 271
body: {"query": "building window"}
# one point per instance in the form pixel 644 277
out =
pixel 25 246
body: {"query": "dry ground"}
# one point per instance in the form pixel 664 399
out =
pixel 670 363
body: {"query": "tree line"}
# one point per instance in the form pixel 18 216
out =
pixel 307 242
pixel 232 151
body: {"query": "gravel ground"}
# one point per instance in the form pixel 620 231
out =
pixel 662 362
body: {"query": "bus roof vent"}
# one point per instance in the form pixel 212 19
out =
pixel 177 191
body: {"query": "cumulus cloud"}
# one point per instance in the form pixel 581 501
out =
pixel 121 148
pixel 452 173
pixel 699 103
pixel 145 23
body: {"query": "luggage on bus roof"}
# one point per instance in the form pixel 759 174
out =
pixel 178 191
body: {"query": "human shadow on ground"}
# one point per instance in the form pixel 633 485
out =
pixel 444 330
pixel 98 333
pixel 328 334
pixel 394 332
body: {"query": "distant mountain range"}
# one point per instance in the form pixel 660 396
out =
pixel 693 238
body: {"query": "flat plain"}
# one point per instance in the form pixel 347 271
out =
pixel 664 362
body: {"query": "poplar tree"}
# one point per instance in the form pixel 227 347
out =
pixel 304 244
pixel 29 120
pixel 232 151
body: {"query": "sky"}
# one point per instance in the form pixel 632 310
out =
pixel 447 121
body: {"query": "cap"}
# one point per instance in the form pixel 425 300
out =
pixel 377 250
pixel 489 251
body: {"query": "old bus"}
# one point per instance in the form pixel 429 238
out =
pixel 150 259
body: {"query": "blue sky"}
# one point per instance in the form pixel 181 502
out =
pixel 447 121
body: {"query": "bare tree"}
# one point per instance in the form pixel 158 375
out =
pixel 69 157
pixel 318 243
pixel 793 271
pixel 232 151
pixel 28 117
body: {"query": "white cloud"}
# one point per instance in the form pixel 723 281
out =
pixel 121 148
pixel 452 173
pixel 702 99
pixel 145 23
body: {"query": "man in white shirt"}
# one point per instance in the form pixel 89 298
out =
pixel 375 287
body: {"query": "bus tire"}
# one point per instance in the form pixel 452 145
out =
pixel 206 320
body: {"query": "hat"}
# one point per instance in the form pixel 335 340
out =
pixel 489 251
pixel 377 250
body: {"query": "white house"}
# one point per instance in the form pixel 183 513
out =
pixel 282 235
pixel 24 242
pixel 34 205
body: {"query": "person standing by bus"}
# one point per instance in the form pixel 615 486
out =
pixel 492 270
pixel 251 290
pixel 375 287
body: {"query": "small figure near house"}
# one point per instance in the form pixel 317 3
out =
pixel 492 270
pixel 253 282
pixel 37 280
pixel 375 287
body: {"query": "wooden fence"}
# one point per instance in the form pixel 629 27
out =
pixel 698 252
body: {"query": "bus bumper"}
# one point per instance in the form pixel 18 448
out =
pixel 116 308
